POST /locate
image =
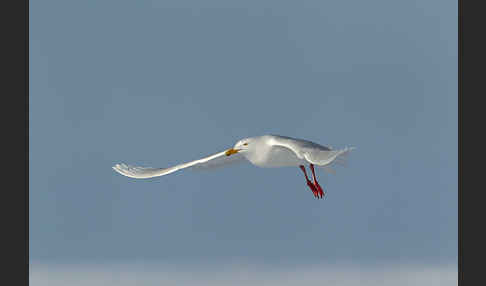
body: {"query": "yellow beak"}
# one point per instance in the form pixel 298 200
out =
pixel 232 151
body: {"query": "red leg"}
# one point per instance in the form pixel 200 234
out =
pixel 318 187
pixel 309 183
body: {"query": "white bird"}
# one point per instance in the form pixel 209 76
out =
pixel 261 151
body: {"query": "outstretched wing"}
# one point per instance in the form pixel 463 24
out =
pixel 322 158
pixel 312 152
pixel 215 160
pixel 219 162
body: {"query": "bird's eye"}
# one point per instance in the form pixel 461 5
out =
pixel 245 144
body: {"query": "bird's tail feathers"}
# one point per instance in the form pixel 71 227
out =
pixel 342 157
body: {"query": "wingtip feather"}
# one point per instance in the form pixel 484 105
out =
pixel 124 169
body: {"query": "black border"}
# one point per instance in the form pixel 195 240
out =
pixel 459 153
pixel 471 79
pixel 27 139
pixel 14 209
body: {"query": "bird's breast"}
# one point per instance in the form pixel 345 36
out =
pixel 274 156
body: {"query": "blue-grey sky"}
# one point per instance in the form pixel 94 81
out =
pixel 156 83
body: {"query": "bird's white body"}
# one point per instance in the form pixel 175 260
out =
pixel 261 151
pixel 279 151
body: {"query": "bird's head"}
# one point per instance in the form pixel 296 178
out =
pixel 240 146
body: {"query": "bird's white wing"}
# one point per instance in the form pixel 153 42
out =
pixel 312 152
pixel 217 159
pixel 322 158
pixel 223 161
